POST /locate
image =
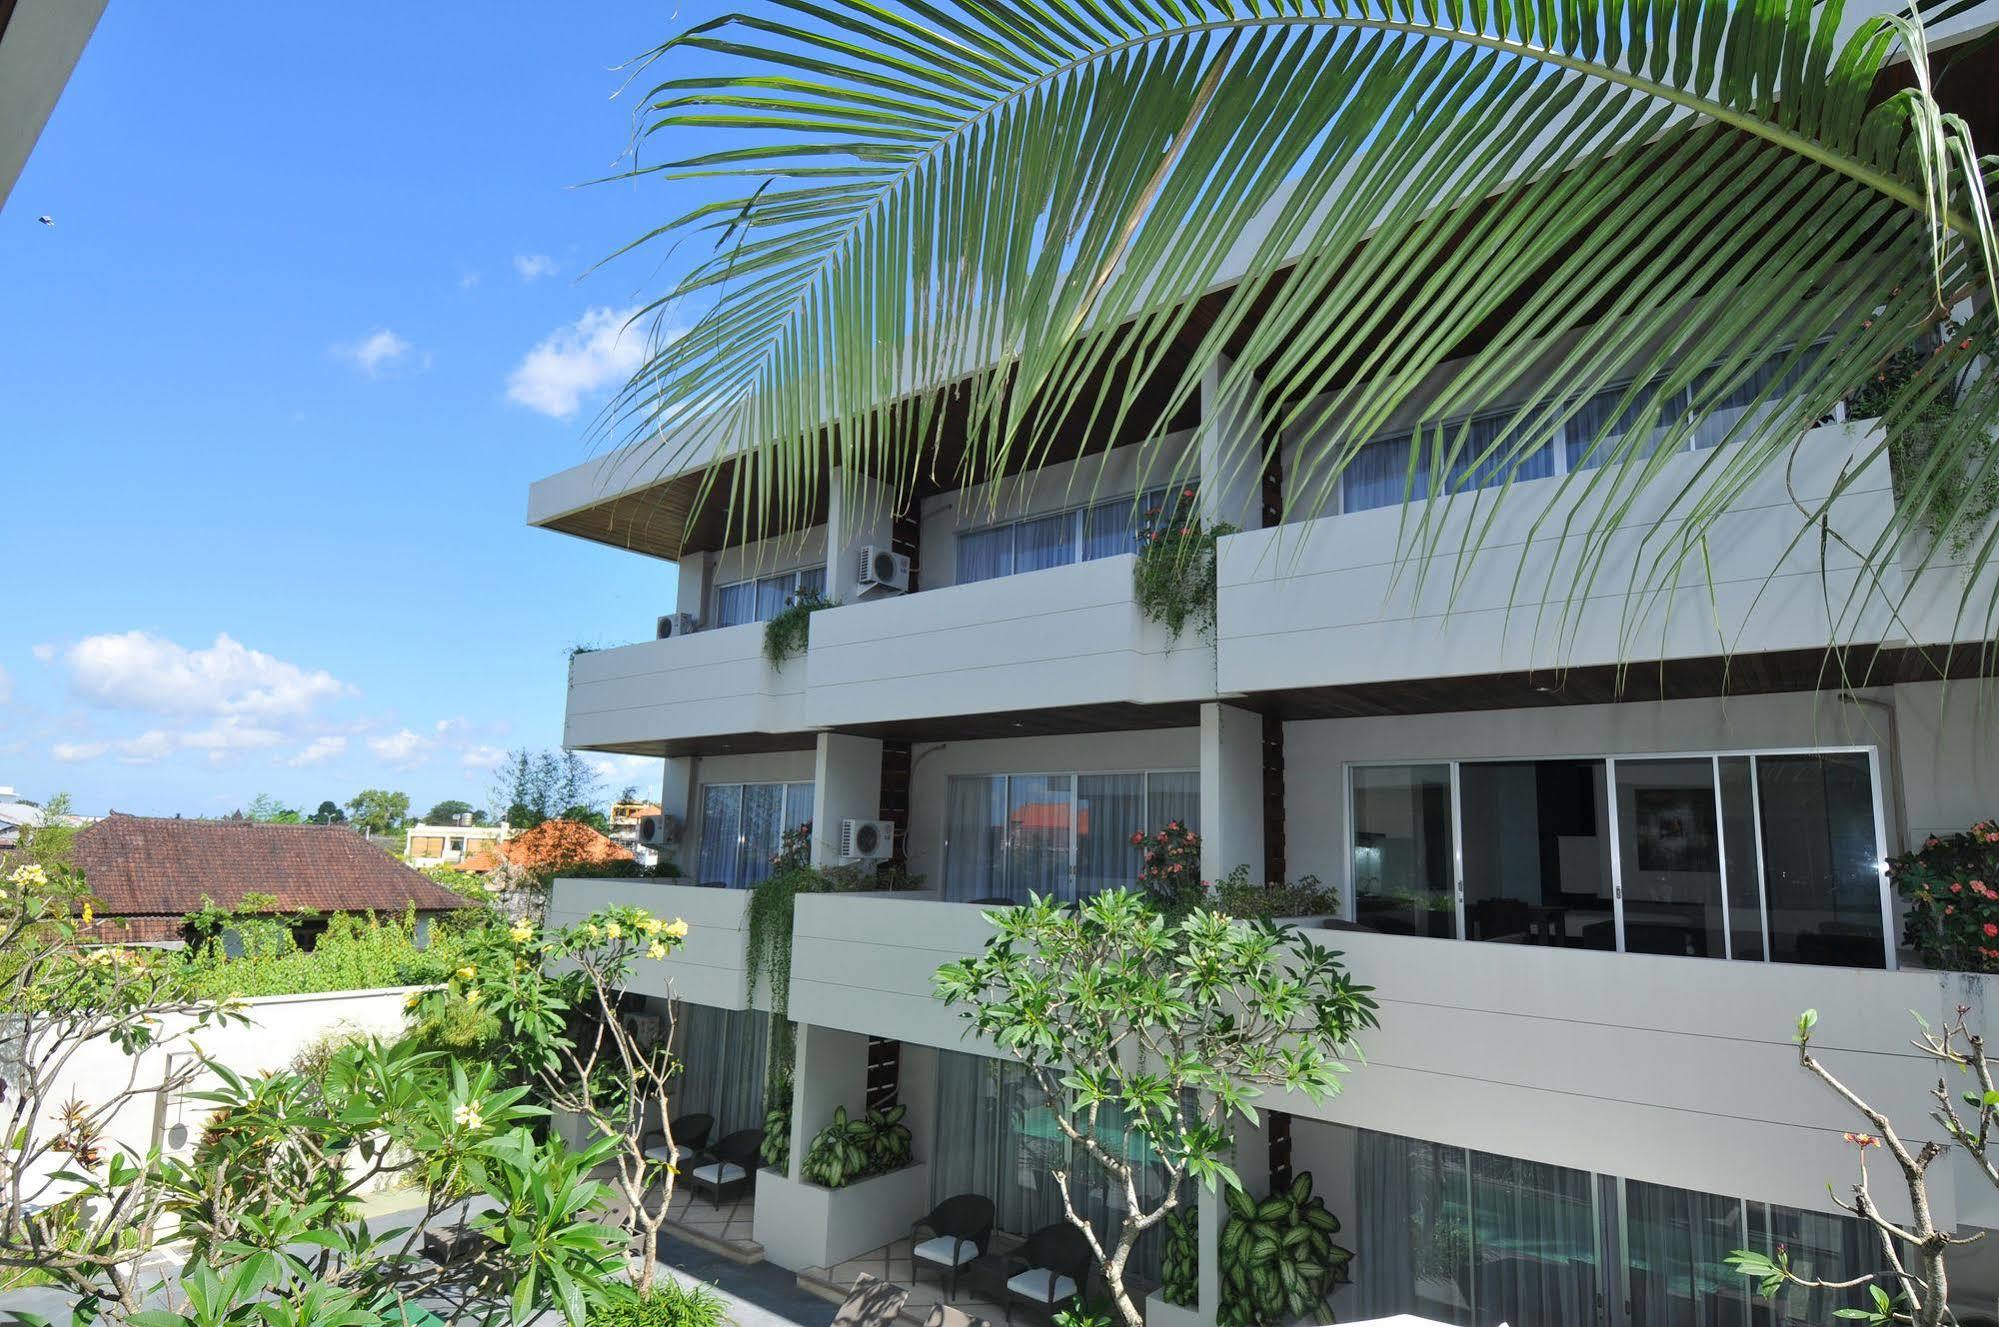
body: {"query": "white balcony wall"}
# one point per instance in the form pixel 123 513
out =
pixel 1670 1070
pixel 1063 636
pixel 1336 601
pixel 864 963
pixel 709 683
pixel 707 969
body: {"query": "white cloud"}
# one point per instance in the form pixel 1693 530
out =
pixel 482 757
pixel 43 653
pixel 146 748
pixel 376 353
pixel 403 748
pixel 617 771
pixel 596 351
pixel 533 266
pixel 6 686
pixel 468 280
pixel 140 671
pixel 317 752
pixel 71 752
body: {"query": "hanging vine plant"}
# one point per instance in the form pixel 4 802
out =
pixel 787 634
pixel 1173 580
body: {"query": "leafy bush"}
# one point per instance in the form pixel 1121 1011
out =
pixel 848 1150
pixel 356 953
pixel 668 1304
pixel 1173 580
pixel 787 634
pixel 1952 889
pixel 1237 896
pixel 1180 1260
pixel 1278 1259
pixel 1171 871
pixel 776 1148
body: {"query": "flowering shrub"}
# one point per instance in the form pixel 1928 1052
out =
pixel 1952 889
pixel 1174 578
pixel 1172 869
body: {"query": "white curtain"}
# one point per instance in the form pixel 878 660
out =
pixel 1534 1236
pixel 1378 475
pixel 736 604
pixel 763 822
pixel 721 806
pixel 724 1056
pixel 974 820
pixel 797 805
pixel 1046 541
pixel 997 1138
pixel 1172 795
pixel 1412 1230
pixel 1676 1242
pixel 1110 808
pixel 1822 1247
pixel 1110 528
pixel 984 554
pixel 811 583
pixel 1038 837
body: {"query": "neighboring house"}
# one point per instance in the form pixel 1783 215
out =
pixel 548 847
pixel 625 829
pixel 16 814
pixel 1593 873
pixel 448 845
pixel 146 874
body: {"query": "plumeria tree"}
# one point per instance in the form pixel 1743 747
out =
pixel 557 994
pixel 256 1220
pixel 1133 1023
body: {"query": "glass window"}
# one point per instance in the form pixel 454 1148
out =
pixel 1676 1246
pixel 1110 808
pixel 721 805
pixel 1173 795
pixel 984 554
pixel 763 599
pixel 1109 529
pixel 811 583
pixel 1823 1247
pixel 1537 866
pixel 974 821
pixel 1534 1230
pixel 1047 541
pixel 763 823
pixel 1741 863
pixel 1068 835
pixel 742 828
pixel 1379 474
pixel 797 805
pixel 1038 835
pixel 1821 861
pixel 1403 874
pixel 736 605
pixel 1413 1237
pixel 1670 849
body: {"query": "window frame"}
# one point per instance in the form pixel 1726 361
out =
pixel 795 575
pixel 1079 524
pixel 1350 899
pixel 741 786
pixel 1075 799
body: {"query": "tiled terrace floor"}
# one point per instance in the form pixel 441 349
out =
pixel 726 1230
pixel 978 1295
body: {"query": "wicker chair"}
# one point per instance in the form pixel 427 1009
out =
pixel 960 1228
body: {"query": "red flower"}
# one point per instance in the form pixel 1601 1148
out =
pixel 1188 492
pixel 1991 930
pixel 1138 836
pixel 1957 889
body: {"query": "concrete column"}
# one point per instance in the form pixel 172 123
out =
pixel 1211 1213
pixel 858 515
pixel 846 785
pixel 829 1070
pixel 1231 791
pixel 678 785
pixel 696 577
pixel 1231 445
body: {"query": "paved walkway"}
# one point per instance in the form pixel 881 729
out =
pixel 760 1295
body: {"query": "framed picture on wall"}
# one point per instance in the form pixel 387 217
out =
pixel 1675 829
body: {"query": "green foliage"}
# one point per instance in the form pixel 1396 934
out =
pixel 1237 896
pixel 268 810
pixel 1180 1259
pixel 356 952
pixel 1278 1259
pixel 448 811
pixel 586 815
pixel 1916 393
pixel 1951 886
pixel 329 813
pixel 776 1147
pixel 535 786
pixel 787 634
pixel 378 811
pixel 669 1304
pixel 1171 869
pixel 848 1150
pixel 1173 580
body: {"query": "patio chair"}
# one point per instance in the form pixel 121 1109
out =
pixel 960 1228
pixel 690 1135
pixel 946 1315
pixel 731 1161
pixel 872 1302
pixel 1056 1261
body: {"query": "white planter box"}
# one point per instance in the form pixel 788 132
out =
pixel 802 1225
pixel 1158 1313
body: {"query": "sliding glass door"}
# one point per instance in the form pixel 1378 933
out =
pixel 1763 856
pixel 743 826
pixel 1065 835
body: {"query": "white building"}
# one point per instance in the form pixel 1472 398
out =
pixel 448 845
pixel 1594 876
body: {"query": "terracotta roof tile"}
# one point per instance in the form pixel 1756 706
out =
pixel 140 866
pixel 549 846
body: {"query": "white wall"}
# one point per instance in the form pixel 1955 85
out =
pixel 710 683
pixel 932 765
pixel 708 969
pixel 758 558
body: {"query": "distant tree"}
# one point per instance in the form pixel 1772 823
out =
pixel 447 813
pixel 378 811
pixel 629 793
pixel 534 786
pixel 329 813
pixel 587 815
pixel 268 810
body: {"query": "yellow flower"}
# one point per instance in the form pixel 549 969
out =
pixel 651 925
pixel 471 997
pixel 589 930
pixel 677 929
pixel 88 914
pixel 467 973
pixel 522 932
pixel 656 949
pixel 415 999
pixel 613 931
pixel 29 874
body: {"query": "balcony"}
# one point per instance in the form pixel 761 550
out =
pixel 708 684
pixel 708 969
pixel 1064 636
pixel 1328 602
pixel 864 963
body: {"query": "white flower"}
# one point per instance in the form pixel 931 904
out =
pixel 29 874
pixel 467 1116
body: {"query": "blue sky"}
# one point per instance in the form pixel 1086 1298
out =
pixel 272 400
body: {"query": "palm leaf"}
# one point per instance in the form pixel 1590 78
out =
pixel 961 238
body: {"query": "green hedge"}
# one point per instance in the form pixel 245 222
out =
pixel 356 953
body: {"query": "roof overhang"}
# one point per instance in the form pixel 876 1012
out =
pixel 40 42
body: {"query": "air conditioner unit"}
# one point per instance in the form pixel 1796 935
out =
pixel 867 840
pixel 884 570
pixel 644 1028
pixel 675 624
pixel 660 831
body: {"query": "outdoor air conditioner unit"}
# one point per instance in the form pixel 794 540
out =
pixel 675 624
pixel 660 831
pixel 867 840
pixel 644 1028
pixel 884 570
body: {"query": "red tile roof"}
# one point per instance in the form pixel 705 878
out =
pixel 137 866
pixel 549 846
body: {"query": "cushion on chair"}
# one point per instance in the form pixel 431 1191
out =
pixel 679 1156
pixel 720 1172
pixel 1033 1284
pixel 945 1251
